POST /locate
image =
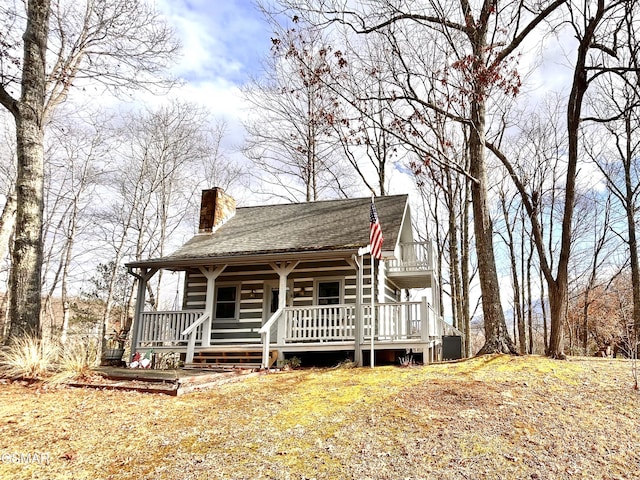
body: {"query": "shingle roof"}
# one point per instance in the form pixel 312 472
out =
pixel 298 227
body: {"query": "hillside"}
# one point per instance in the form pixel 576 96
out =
pixel 486 418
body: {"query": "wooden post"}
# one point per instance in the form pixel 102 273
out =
pixel 373 311
pixel 191 347
pixel 283 269
pixel 211 274
pixel 143 277
pixel 358 333
pixel 424 320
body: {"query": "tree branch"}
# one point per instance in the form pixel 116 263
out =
pixel 8 102
pixel 518 39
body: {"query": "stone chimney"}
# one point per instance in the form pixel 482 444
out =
pixel 215 209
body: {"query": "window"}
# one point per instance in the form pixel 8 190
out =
pixel 226 302
pixel 329 293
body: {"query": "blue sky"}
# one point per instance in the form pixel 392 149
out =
pixel 223 40
pixel 223 44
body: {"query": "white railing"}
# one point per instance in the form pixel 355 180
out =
pixel 160 329
pixel 401 321
pixel 326 323
pixel 265 335
pixel 398 321
pixel 413 256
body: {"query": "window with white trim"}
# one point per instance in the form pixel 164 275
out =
pixel 226 301
pixel 329 292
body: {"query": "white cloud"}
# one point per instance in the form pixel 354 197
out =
pixel 221 39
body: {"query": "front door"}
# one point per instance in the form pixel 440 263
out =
pixel 272 299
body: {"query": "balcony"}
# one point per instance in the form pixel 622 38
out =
pixel 414 265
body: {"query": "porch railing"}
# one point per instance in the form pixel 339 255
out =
pixel 165 329
pixel 395 321
pixel 413 256
pixel 401 321
pixel 324 323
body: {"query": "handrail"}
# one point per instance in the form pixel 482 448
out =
pixel 191 331
pixel 265 335
pixel 165 327
pixel 448 329
pixel 196 324
pixel 269 323
pixel 412 256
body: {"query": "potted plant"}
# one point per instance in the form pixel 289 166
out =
pixel 114 348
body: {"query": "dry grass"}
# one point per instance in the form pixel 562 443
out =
pixel 487 418
pixel 29 357
pixel 76 361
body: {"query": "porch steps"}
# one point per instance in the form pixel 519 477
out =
pixel 216 359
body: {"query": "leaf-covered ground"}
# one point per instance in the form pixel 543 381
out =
pixel 485 418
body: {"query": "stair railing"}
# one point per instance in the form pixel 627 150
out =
pixel 265 335
pixel 191 331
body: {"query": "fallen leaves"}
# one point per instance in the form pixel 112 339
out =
pixel 486 418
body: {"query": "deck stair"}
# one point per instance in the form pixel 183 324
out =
pixel 229 358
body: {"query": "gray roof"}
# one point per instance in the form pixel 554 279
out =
pixel 298 227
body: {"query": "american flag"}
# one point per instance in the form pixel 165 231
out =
pixel 375 233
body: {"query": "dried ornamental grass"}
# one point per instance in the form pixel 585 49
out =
pixel 77 360
pixel 30 358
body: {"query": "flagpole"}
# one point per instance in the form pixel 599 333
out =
pixel 373 304
pixel 375 248
pixel 373 310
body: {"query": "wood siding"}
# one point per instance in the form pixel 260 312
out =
pixel 251 279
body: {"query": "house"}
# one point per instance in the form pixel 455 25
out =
pixel 275 281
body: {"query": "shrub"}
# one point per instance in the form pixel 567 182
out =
pixel 291 363
pixel 30 358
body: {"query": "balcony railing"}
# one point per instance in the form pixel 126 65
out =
pixel 415 256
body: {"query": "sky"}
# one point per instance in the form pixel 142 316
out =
pixel 224 42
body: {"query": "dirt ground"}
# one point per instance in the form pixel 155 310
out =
pixel 496 417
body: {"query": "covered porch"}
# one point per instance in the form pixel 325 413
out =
pixel 292 313
pixel 401 325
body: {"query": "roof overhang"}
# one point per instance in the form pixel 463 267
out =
pixel 184 263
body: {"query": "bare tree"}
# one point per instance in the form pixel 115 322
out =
pixel 510 211
pixel 482 39
pixel 291 139
pixel 617 107
pixel 450 193
pixel 595 25
pixel 155 169
pixel 73 174
pixel 47 49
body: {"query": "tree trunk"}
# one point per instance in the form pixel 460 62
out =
pixel 25 278
pixel 558 296
pixel 631 225
pixel 465 268
pixel 497 339
pixel 558 289
pixel 7 223
pixel 529 298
